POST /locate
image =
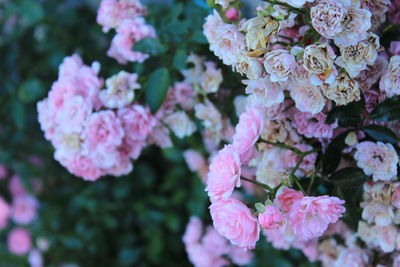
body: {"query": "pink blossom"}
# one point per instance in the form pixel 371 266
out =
pixel 286 198
pixel 103 130
pixel 112 13
pixel 395 201
pixel 83 167
pixel 235 221
pixel 24 209
pixel 4 213
pixel 130 32
pixel 395 48
pixel 200 256
pixel 307 97
pixel 214 242
pixel 224 174
pixel 248 130
pixel 309 217
pixel 19 241
pixel 184 95
pixel 137 122
pixel 194 160
pixel 15 186
pixel 240 256
pixel 311 125
pixel 271 218
pixel 3 172
pixel 232 14
pixel 308 162
pixel 193 231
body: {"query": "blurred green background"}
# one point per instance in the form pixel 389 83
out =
pixel 137 220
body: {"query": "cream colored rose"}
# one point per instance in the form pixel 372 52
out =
pixel 355 58
pixel 270 168
pixel 259 30
pixel 249 66
pixel 180 124
pixel 390 81
pixel 319 61
pixel 279 64
pixel 280 131
pixel 343 91
pixel 308 97
pixel 211 78
pixel 120 90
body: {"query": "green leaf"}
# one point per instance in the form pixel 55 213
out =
pixel 333 154
pixel 30 91
pixel 180 59
pixel 157 88
pixel 150 46
pixel 349 115
pixel 388 110
pixel 381 133
pixel 18 114
pixel 348 177
pixel 31 10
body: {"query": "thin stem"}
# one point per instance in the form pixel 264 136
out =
pixel 264 186
pixel 300 11
pixel 281 43
pixel 283 146
pixel 311 182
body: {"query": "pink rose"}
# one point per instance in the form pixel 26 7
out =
pixel 193 231
pixel 308 163
pixel 19 241
pixel 271 218
pixel 83 167
pixel 248 130
pixel 24 209
pixel 395 48
pixel 396 198
pixel 103 130
pixel 128 33
pixel 232 14
pixel 137 122
pixel 200 256
pixel 15 186
pixel 224 174
pixel 235 221
pixel 194 160
pixel 240 256
pixel 287 198
pixel 214 242
pixel 3 172
pixel 309 217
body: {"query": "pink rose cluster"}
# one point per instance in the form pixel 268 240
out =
pixel 126 17
pixel 306 217
pixel 91 140
pixel 207 248
pixel 20 213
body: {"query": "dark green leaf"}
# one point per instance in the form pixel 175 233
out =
pixel 30 90
pixel 31 10
pixel 180 59
pixel 18 113
pixel 388 110
pixel 157 88
pixel 332 156
pixel 381 133
pixel 349 115
pixel 348 177
pixel 150 46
